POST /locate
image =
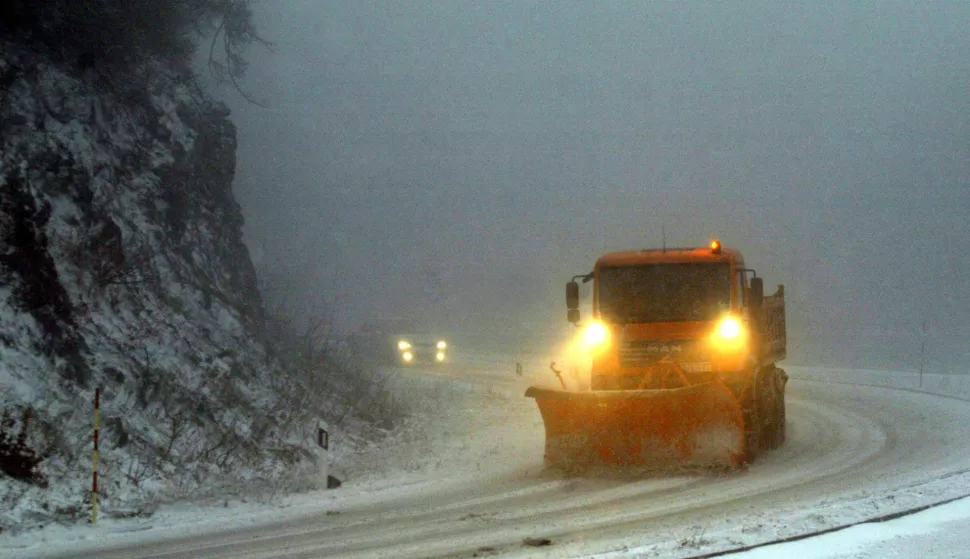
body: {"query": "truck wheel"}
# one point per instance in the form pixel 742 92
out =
pixel 771 410
pixel 781 378
pixel 780 432
pixel 751 411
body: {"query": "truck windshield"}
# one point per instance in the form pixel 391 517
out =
pixel 664 292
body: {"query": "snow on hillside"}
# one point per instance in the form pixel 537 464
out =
pixel 122 266
pixel 478 428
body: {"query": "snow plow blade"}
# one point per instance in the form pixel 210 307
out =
pixel 697 426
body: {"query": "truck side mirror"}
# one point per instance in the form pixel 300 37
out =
pixel 572 295
pixel 757 292
pixel 572 302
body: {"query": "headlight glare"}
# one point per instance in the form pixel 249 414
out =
pixel 728 335
pixel 729 328
pixel 595 334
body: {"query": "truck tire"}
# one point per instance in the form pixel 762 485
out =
pixel 773 416
pixel 751 411
pixel 781 378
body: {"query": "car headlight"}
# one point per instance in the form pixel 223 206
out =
pixel 442 345
pixel 403 345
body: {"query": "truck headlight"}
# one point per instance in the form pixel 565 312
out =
pixel 729 328
pixel 595 334
pixel 407 356
pixel 442 345
pixel 440 356
pixel 403 345
pixel 728 335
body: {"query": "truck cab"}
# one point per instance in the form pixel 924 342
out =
pixel 664 318
pixel 683 345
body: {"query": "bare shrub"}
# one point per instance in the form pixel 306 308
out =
pixel 322 375
pixel 17 459
pixel 102 259
pixel 115 38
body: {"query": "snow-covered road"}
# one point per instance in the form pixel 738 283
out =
pixel 471 484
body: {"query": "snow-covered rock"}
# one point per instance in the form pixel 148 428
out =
pixel 122 267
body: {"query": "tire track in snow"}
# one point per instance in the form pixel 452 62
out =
pixel 629 509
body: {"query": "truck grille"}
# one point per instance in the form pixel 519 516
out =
pixel 690 354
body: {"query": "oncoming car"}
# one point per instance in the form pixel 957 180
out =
pixel 421 349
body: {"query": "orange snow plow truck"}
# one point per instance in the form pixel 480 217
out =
pixel 683 345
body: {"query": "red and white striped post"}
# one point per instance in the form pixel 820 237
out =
pixel 94 481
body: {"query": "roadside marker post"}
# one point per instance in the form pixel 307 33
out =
pixel 323 454
pixel 94 481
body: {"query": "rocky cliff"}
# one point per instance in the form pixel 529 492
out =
pixel 122 267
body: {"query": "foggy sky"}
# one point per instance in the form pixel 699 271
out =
pixel 503 146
